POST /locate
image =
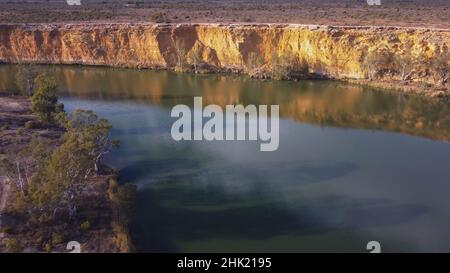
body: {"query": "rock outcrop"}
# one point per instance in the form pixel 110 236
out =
pixel 332 52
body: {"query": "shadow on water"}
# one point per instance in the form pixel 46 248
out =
pixel 174 208
pixel 164 226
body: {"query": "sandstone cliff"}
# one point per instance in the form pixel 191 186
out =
pixel 332 52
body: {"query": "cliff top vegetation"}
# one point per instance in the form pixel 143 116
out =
pixel 411 13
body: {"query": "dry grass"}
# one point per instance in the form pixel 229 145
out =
pixel 418 13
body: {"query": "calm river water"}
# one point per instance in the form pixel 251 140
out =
pixel 353 165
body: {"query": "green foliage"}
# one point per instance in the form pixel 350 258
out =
pixel 28 79
pixel 61 174
pixel 66 170
pixel 12 246
pixel 24 79
pixel 86 225
pixel 57 238
pixel 20 170
pixel 90 133
pixel 44 101
pixel 47 179
pixel 43 80
pixel 48 247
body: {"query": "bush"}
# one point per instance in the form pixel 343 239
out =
pixel 38 239
pixel 48 247
pixel 160 17
pixel 44 101
pixel 57 238
pixel 20 131
pixel 86 225
pixel 12 246
pixel 7 229
pixel 24 79
pixel 64 169
pixel 31 124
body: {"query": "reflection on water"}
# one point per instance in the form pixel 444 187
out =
pixel 325 189
pixel 318 102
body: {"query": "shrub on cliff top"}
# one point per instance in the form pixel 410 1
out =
pixel 160 17
pixel 57 238
pixel 12 246
pixel 86 225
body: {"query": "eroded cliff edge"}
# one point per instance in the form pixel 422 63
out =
pixel 331 52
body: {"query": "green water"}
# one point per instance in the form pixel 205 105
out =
pixel 353 165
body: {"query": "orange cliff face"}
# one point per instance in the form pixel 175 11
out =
pixel 332 52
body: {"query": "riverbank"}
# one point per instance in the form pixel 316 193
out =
pixel 100 224
pixel 400 56
pixel 407 87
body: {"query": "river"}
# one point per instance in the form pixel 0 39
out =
pixel 353 165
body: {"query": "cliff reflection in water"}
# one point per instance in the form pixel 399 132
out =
pixel 317 102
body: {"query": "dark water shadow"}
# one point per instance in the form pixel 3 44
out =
pixel 158 227
pixel 176 207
